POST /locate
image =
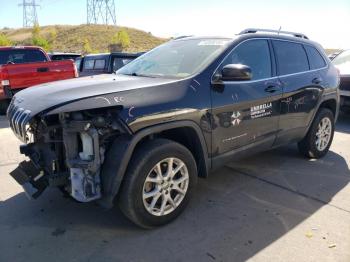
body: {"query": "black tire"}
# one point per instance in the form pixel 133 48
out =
pixel 130 198
pixel 307 146
pixel 3 106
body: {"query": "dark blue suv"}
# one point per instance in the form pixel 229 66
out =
pixel 142 136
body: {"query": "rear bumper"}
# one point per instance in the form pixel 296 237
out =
pixel 2 93
pixel 5 93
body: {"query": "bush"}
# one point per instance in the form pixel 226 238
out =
pixel 42 42
pixel 4 41
pixel 121 38
pixel 53 36
pixel 38 40
pixel 86 47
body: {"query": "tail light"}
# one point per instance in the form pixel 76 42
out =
pixel 76 74
pixel 4 81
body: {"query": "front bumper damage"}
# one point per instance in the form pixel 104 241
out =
pixel 66 151
pixel 28 176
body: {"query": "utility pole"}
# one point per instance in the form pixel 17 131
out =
pixel 30 16
pixel 101 12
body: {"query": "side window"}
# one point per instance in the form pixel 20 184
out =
pixel 315 59
pixel 255 54
pixel 291 57
pixel 89 64
pixel 120 62
pixel 100 64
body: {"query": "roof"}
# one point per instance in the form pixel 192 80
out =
pixel 121 54
pixel 62 53
pixel 19 47
pixel 256 33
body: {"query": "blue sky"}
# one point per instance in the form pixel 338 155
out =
pixel 325 21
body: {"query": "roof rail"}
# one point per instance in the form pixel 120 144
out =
pixel 180 37
pixel 255 30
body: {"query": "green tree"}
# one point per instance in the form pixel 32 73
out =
pixel 121 38
pixel 4 41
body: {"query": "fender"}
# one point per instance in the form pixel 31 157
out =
pixel 325 97
pixel 120 153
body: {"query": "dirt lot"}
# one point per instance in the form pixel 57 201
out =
pixel 275 206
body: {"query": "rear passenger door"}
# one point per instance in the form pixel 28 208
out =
pixel 302 85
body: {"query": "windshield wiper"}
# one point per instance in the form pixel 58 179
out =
pixel 141 75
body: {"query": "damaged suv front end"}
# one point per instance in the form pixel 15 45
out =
pixel 66 150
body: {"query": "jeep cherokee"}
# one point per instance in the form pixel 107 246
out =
pixel 141 137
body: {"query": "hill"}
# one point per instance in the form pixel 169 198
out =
pixel 71 38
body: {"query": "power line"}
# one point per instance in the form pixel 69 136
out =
pixel 30 15
pixel 101 12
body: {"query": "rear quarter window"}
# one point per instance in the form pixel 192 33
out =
pixel 291 57
pixel 94 64
pixel 100 64
pixel 21 56
pixel 315 59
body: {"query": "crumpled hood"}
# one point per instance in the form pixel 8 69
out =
pixel 50 95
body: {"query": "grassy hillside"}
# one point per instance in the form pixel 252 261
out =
pixel 71 38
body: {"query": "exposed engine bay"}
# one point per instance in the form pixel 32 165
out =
pixel 67 151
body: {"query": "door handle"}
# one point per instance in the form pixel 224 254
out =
pixel 42 69
pixel 272 88
pixel 316 80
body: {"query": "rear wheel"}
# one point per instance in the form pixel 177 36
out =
pixel 158 184
pixel 318 140
pixel 3 106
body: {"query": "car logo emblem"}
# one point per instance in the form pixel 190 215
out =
pixel 19 100
pixel 236 118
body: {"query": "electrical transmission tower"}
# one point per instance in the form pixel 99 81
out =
pixel 30 16
pixel 101 12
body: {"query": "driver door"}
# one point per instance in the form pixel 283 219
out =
pixel 247 112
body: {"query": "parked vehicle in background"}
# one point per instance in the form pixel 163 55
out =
pixel 63 56
pixel 141 137
pixel 22 67
pixel 342 62
pixel 96 64
pixel 333 55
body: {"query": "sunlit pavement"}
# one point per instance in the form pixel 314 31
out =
pixel 274 206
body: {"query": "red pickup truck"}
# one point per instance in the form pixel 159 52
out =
pixel 22 67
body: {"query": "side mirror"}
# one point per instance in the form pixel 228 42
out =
pixel 236 72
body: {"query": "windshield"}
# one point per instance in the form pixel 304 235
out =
pixel 342 62
pixel 176 59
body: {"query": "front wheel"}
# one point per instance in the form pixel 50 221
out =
pixel 158 184
pixel 318 140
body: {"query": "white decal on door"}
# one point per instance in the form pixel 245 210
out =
pixel 261 110
pixel 236 118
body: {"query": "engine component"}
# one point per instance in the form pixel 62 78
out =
pixel 85 187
